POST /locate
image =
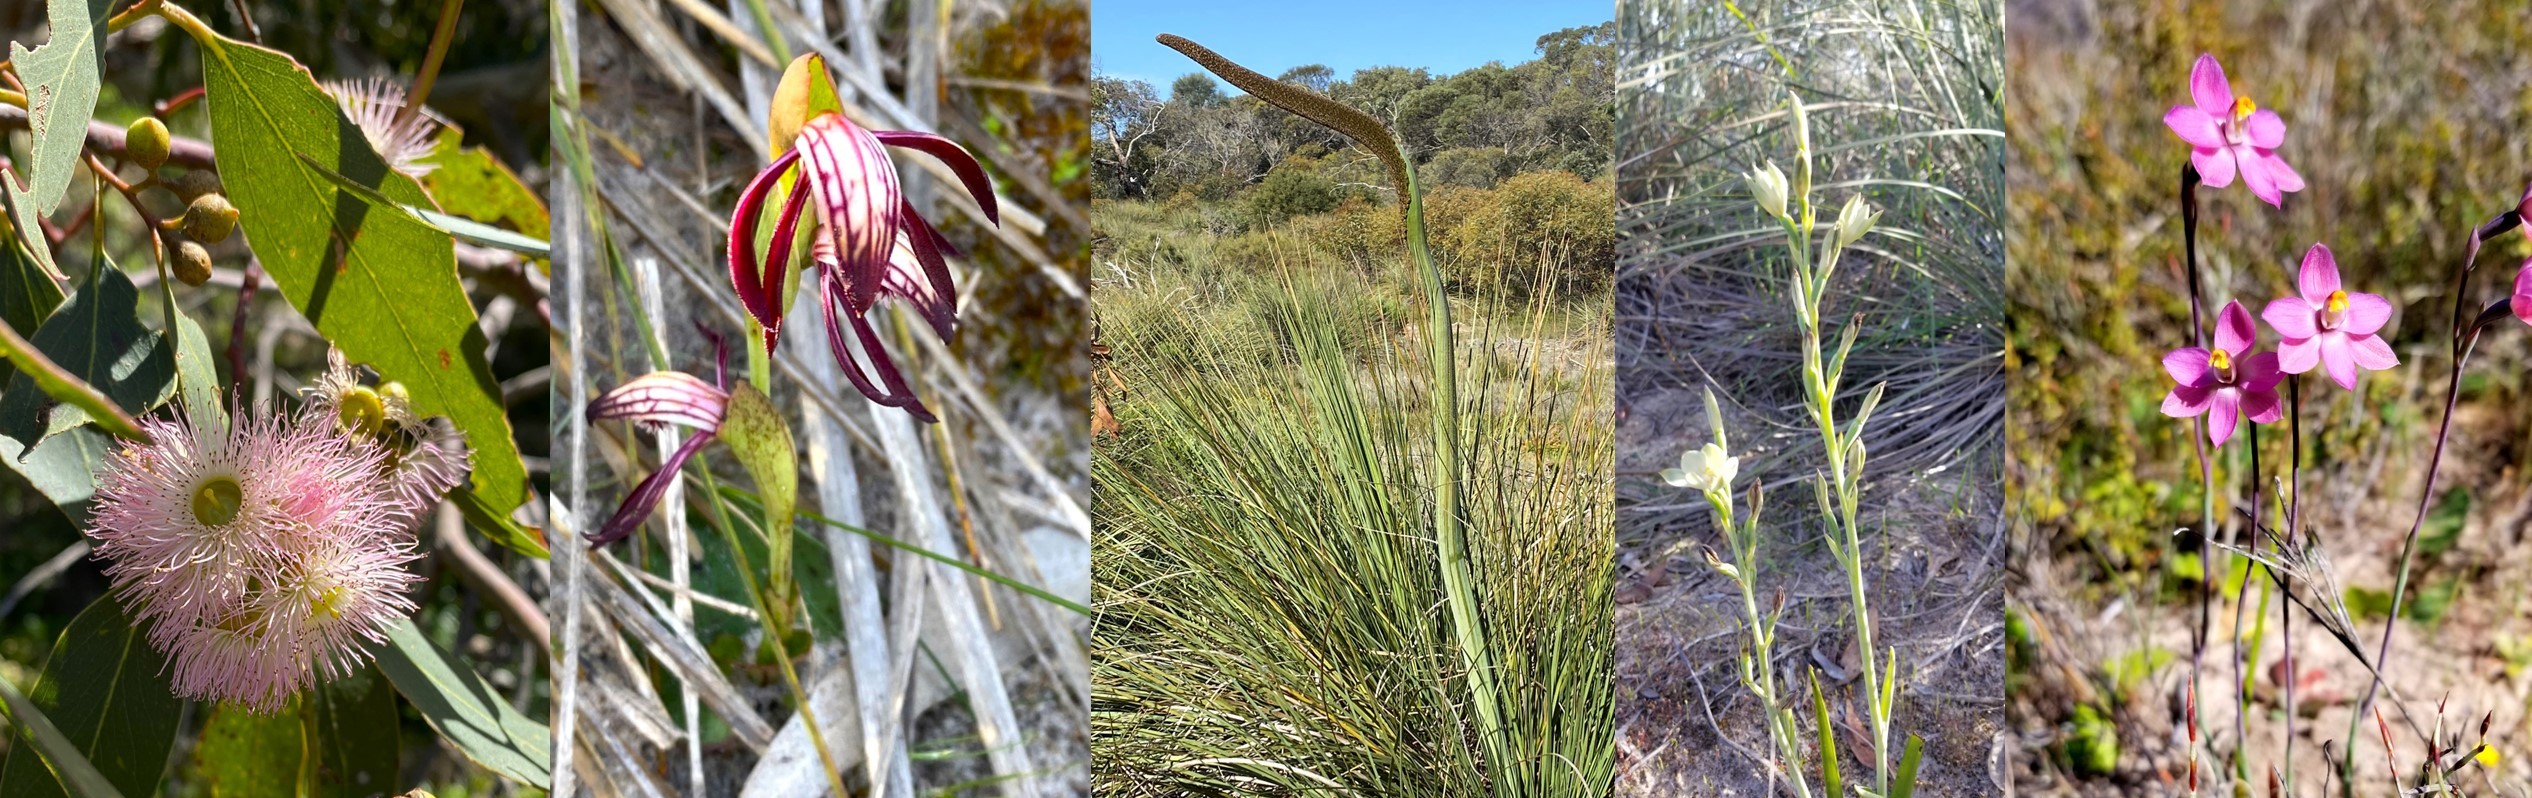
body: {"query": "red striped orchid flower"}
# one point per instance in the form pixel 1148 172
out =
pixel 869 243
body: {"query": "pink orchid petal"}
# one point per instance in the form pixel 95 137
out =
pixel 2262 407
pixel 859 198
pixel 2279 173
pixel 2258 372
pixel 2208 88
pixel 969 172
pixel 2298 355
pixel 2194 126
pixel 2187 365
pixel 2366 313
pixel 2338 358
pixel 2523 284
pixel 2215 166
pixel 2291 317
pixel 2372 352
pixel 2223 413
pixel 2255 175
pixel 2319 276
pixel 645 497
pixel 2186 401
pixel 2265 128
pixel 2234 332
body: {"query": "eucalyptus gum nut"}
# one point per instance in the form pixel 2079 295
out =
pixel 195 183
pixel 192 263
pixel 210 219
pixel 145 143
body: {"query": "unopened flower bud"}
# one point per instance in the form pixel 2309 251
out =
pixel 210 219
pixel 1854 220
pixel 145 143
pixel 193 184
pixel 191 263
pixel 790 107
pixel 1719 565
pixel 1768 187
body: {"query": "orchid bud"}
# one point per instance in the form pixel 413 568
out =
pixel 145 143
pixel 1719 565
pixel 791 104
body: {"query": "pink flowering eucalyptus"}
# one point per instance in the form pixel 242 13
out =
pixel 2328 326
pixel 2229 134
pixel 869 243
pixel 2227 382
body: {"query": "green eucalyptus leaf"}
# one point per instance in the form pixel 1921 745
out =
pixel 63 468
pixel 198 381
pixel 379 284
pixel 106 690
pixel 28 293
pixel 339 740
pixel 466 712
pixel 469 182
pixel 23 216
pixel 53 747
pixel 61 93
pixel 105 360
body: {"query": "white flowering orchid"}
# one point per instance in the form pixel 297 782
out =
pixel 1854 220
pixel 1768 185
pixel 1706 469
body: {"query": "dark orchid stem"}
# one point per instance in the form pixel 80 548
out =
pixel 2465 338
pixel 2285 584
pixel 2246 539
pixel 2208 574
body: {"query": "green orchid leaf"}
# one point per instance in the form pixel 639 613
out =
pixel 381 285
pixel 106 691
pixel 61 93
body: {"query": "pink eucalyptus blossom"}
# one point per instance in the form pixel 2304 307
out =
pixel 2229 134
pixel 2329 326
pixel 259 558
pixel 869 243
pixel 2227 382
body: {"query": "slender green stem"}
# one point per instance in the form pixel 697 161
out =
pixel 782 651
pixel 441 36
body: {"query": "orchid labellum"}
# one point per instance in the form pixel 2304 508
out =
pixel 868 243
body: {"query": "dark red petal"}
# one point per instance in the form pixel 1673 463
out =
pixel 858 197
pixel 778 260
pixel 896 394
pixel 929 290
pixel 743 224
pixel 956 157
pixel 645 497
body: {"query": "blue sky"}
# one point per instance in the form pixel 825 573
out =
pixel 1271 36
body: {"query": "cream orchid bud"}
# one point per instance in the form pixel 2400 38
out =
pixel 1854 220
pixel 1769 187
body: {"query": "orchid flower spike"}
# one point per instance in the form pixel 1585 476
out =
pixel 2329 326
pixel 651 401
pixel 2226 382
pixel 1706 469
pixel 869 241
pixel 2230 134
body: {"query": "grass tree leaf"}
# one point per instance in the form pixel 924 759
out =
pixel 465 711
pixel 103 361
pixel 379 284
pixel 106 690
pixel 61 93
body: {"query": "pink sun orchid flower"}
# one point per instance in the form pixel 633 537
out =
pixel 2328 326
pixel 2523 293
pixel 2227 382
pixel 869 243
pixel 651 401
pixel 2229 134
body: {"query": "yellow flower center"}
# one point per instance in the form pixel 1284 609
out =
pixel 217 500
pixel 2243 108
pixel 2334 311
pixel 329 602
pixel 362 411
pixel 2222 363
pixel 2338 302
